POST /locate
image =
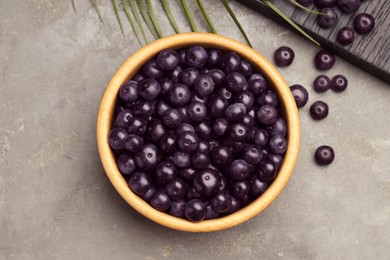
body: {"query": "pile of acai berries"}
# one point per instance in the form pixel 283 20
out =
pixel 198 133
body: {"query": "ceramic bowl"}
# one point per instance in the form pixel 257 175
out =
pixel 275 80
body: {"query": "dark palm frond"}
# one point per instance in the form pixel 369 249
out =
pixel 154 18
pixel 74 6
pixel 230 11
pixel 304 8
pixel 127 11
pixel 95 5
pixel 133 7
pixel 188 13
pixel 171 18
pixel 206 17
pixel 117 15
pixel 282 15
pixel 147 19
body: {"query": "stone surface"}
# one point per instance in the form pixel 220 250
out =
pixel 57 203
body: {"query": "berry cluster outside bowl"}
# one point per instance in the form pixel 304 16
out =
pixel 274 80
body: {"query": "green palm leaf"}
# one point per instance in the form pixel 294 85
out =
pixel 147 19
pixel 133 7
pixel 117 15
pixel 154 18
pixel 206 17
pixel 97 10
pixel 74 6
pixel 127 11
pixel 171 18
pixel 188 13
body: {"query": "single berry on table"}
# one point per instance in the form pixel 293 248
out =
pixel 319 110
pixel 324 60
pixel 339 83
pixel 321 83
pixel 364 23
pixel 327 18
pixel 284 56
pixel 324 155
pixel 300 95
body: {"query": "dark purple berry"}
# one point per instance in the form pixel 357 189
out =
pixel 195 210
pixel 218 77
pixel 260 137
pixel 187 173
pixel 328 18
pixel 204 85
pixel 267 115
pixel 197 111
pixel 203 147
pixel 345 36
pixel 176 189
pixel 183 127
pixel 196 56
pixel 221 202
pixel 116 138
pixel 168 142
pixel 252 154
pixel 217 106
pixel 339 83
pixel 148 195
pixel 238 170
pixel 166 86
pixel 283 56
pixel 276 159
pixel 267 171
pixel 236 82
pixel 321 83
pixel 200 160
pixel 257 187
pixel 363 23
pixel 235 112
pixel 230 62
pixel 324 155
pixel 246 68
pixel 240 189
pixel 171 118
pixel 167 59
pixel 133 143
pixel 324 60
pixel 325 3
pixel 258 87
pixel 269 98
pixel 161 201
pixel 165 172
pixel 239 132
pixel 155 131
pixel 187 141
pixel 278 144
pixel 149 89
pixel 126 164
pixel 221 156
pixel 188 76
pixel 210 213
pixel 148 157
pixel 123 118
pixel 319 110
pixel 245 97
pixel 278 128
pixel 204 130
pixel 181 159
pixel 348 6
pixel 136 126
pixel 180 95
pixel 144 108
pixel 220 126
pixel 305 3
pixel 300 95
pixel 151 71
pixel 128 92
pixel 140 183
pixel 177 208
pixel 207 182
pixel 215 57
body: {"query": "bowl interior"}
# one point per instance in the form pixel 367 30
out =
pixel 128 70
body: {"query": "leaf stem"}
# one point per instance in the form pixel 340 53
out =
pixel 136 16
pixel 282 15
pixel 117 15
pixel 97 10
pixel 154 18
pixel 74 6
pixel 206 17
pixel 127 11
pixel 189 15
pixel 225 3
pixel 294 2
pixel 147 19
pixel 171 18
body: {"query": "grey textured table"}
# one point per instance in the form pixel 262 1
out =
pixel 57 203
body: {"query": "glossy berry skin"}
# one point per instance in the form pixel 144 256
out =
pixel 210 212
pixel 328 18
pixel 188 76
pixel 183 127
pixel 345 36
pixel 206 182
pixel 123 118
pixel 246 68
pixel 200 160
pixel 217 106
pixel 257 187
pixel 171 118
pixel 144 108
pixel 319 110
pixel 168 142
pixel 258 87
pixel 196 111
pixel 239 132
pixel 267 171
pixel 278 128
pixel 138 77
pixel 324 60
pixel 220 126
pixel 220 202
pixel 324 155
pixel 177 208
pixel 226 94
pixel 148 157
pixel 151 70
pixel 215 57
pixel 187 173
pixel 128 92
pixel 230 62
pixel 235 112
pixel 165 172
pixel 236 82
pixel 300 95
pixel 348 6
pixel 192 194
pixel 155 131
pixel 218 77
pixel 276 159
pixel 240 189
pixel 166 85
pixel 339 83
pixel 204 130
pixel 126 164
pixel 148 195
pixel 133 143
pixel 278 144
pixel 267 115
pixel 195 210
pixel 176 189
pixel 235 205
pixel 188 141
pixel 245 97
pixel 203 147
pixel 221 156
pixel 204 85
pixel 321 84
pixel 252 154
pixel 260 137
pixel 325 3
pixel 269 98
pixel 167 59
pixel 149 89
pixel 180 95
pixel 238 170
pixel 140 182
pixel 283 56
pixel 136 126
pixel 305 3
pixel 196 56
pixel 181 159
pixel 116 138
pixel 363 23
pixel 161 201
